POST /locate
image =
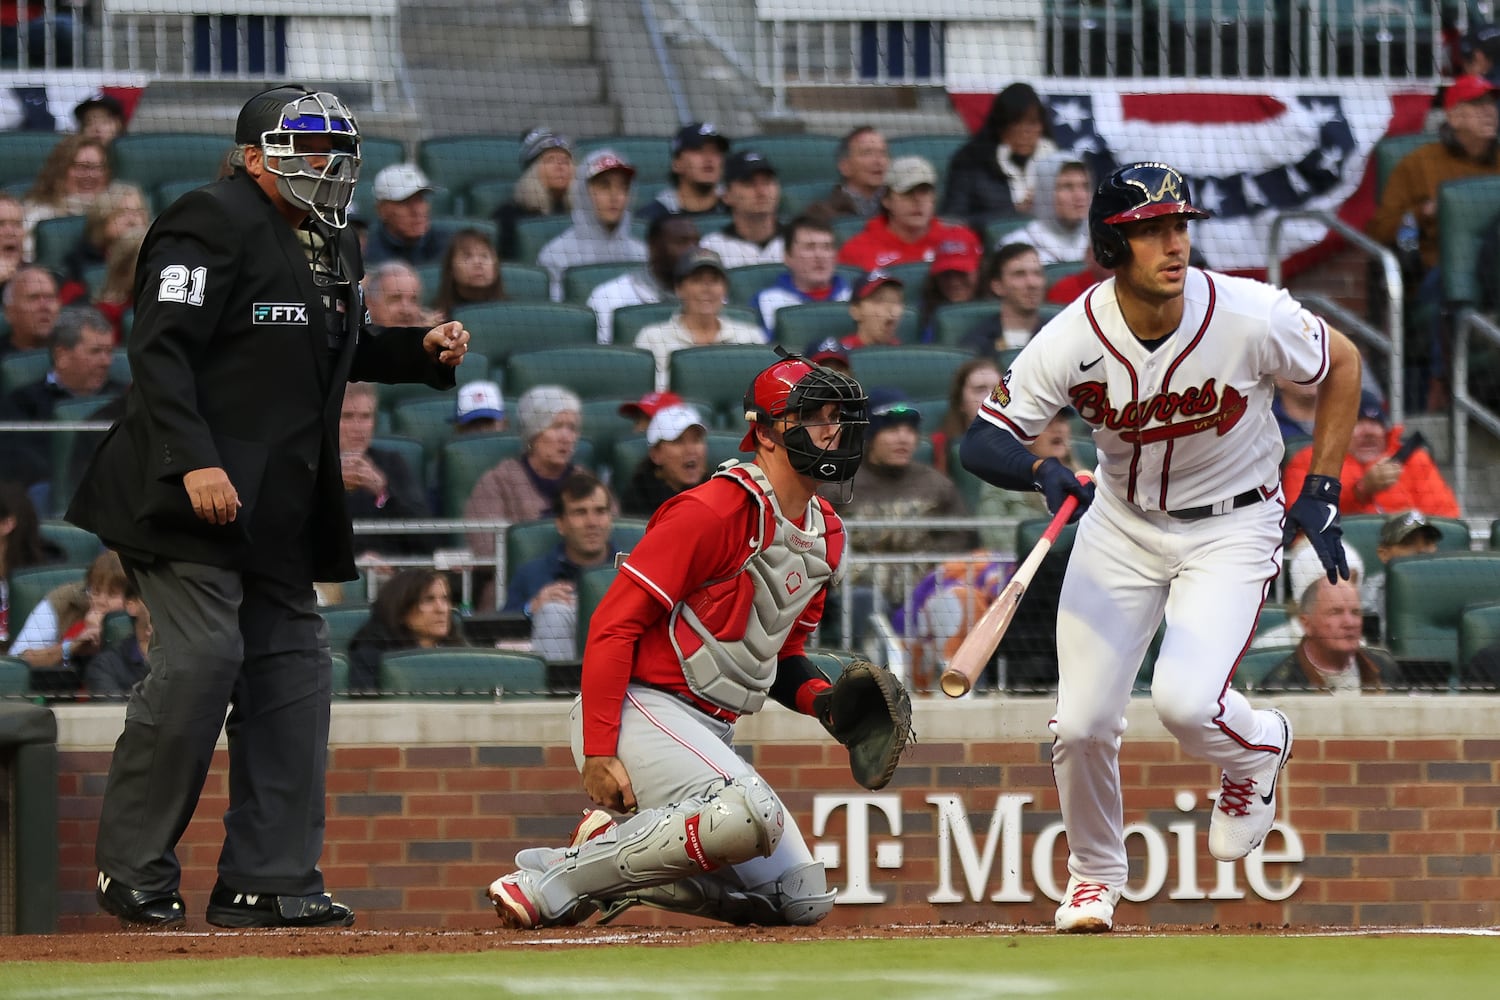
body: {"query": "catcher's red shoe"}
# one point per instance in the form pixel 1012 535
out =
pixel 515 901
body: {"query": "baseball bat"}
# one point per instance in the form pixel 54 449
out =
pixel 980 644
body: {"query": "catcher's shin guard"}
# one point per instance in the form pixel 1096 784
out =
pixel 740 821
pixel 801 896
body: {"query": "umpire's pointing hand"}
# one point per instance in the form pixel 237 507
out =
pixel 608 784
pixel 448 343
pixel 212 495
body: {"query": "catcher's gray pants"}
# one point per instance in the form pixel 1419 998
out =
pixel 221 639
pixel 672 752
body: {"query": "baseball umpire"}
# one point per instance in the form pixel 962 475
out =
pixel 707 617
pixel 221 490
pixel 1173 368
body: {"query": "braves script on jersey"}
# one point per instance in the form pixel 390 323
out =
pixel 1187 424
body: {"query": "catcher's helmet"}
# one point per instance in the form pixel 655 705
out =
pixel 795 386
pixel 1134 192
pixel 281 121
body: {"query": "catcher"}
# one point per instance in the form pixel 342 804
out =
pixel 707 617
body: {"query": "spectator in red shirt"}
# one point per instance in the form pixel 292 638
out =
pixel 1375 479
pixel 876 307
pixel 907 230
pixel 1065 290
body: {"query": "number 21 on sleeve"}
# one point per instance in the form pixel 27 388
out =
pixel 178 284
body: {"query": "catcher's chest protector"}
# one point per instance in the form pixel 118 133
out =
pixel 728 633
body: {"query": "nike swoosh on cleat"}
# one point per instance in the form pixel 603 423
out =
pixel 1266 798
pixel 1085 367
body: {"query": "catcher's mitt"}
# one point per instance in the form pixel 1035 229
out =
pixel 868 711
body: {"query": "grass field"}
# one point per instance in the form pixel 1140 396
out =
pixel 1199 967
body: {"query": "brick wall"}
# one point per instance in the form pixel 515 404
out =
pixel 1401 828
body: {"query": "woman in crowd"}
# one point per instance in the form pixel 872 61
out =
pixel 972 384
pixel 545 187
pixel 21 547
pixel 74 174
pixel 116 294
pixel 470 273
pixel 119 212
pixel 993 175
pixel 412 611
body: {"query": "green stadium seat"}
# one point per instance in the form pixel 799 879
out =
pixel 1495 534
pixel 150 159
pixel 1466 214
pixel 507 328
pixel 429 421
pixel 952 322
pixel 913 277
pixel 797 196
pixel 23 368
pixel 1272 615
pixel 1257 663
pixel 642 195
pixel 935 149
pixel 80 547
pixel 534 234
pixel 651 155
pixel 459 672
pixel 22 154
pixel 599 371
pixel 1030 531
pixel 745 281
pixel 846 227
pixel 798 326
pixel 15 677
pixel 628 321
pixel 456 162
pixel 525 282
pixel 797 158
pixel 1062 269
pixel 1478 627
pixel 603 425
pixel 167 192
pixel 525 542
pixel 1425 600
pixel 375 155
pixel 592 586
pixel 996 232
pixel 718 374
pixel 55 238
pixel 343 622
pixel 338 665
pixel 1362 533
pixel 1390 150
pixel 29 587
pixel 924 371
pixel 411 451
pixel 465 459
pixel 581 280
pixel 448 225
pixel 484 198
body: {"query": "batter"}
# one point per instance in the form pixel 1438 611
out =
pixel 1173 368
pixel 707 618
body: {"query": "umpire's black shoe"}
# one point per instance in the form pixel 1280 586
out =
pixel 141 908
pixel 230 908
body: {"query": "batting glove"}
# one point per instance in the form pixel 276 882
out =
pixel 1316 513
pixel 1055 482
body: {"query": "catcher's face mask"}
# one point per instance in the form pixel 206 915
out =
pixel 794 388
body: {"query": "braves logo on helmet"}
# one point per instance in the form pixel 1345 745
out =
pixel 1134 193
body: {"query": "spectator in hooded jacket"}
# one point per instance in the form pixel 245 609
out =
pixel 544 188
pixel 1059 229
pixel 811 257
pixel 601 220
pixel 907 230
pixel 667 239
pixel 993 175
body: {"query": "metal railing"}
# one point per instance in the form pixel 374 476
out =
pixel 1390 341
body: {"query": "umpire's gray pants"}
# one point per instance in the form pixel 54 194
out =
pixel 257 646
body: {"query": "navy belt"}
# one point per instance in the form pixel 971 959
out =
pixel 1245 499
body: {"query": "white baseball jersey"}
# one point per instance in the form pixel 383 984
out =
pixel 1187 424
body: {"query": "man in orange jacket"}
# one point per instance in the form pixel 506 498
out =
pixel 1379 475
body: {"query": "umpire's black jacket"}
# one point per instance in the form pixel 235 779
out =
pixel 236 366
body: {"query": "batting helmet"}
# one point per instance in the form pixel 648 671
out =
pixel 794 386
pixel 1132 193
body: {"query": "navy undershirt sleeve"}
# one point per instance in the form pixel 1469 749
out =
pixel 997 457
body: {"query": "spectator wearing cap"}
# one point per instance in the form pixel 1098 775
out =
pixel 1374 479
pixel 876 308
pixel 480 408
pixel 524 487
pixel 1015 278
pixel 907 230
pixel 403 224
pixel 1479 52
pixel 1407 534
pixel 677 460
pixel 1331 656
pixel 378 484
pixel 667 239
pixel 829 352
pixel 545 589
pixel 1466 147
pixel 544 188
pixel 640 411
pixel 698 151
pixel 1059 229
pixel 753 194
pixel 953 277
pixel 863 160
pixel 811 255
pixel 701 285
pixel 993 175
pixel 100 116
pixel 600 233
